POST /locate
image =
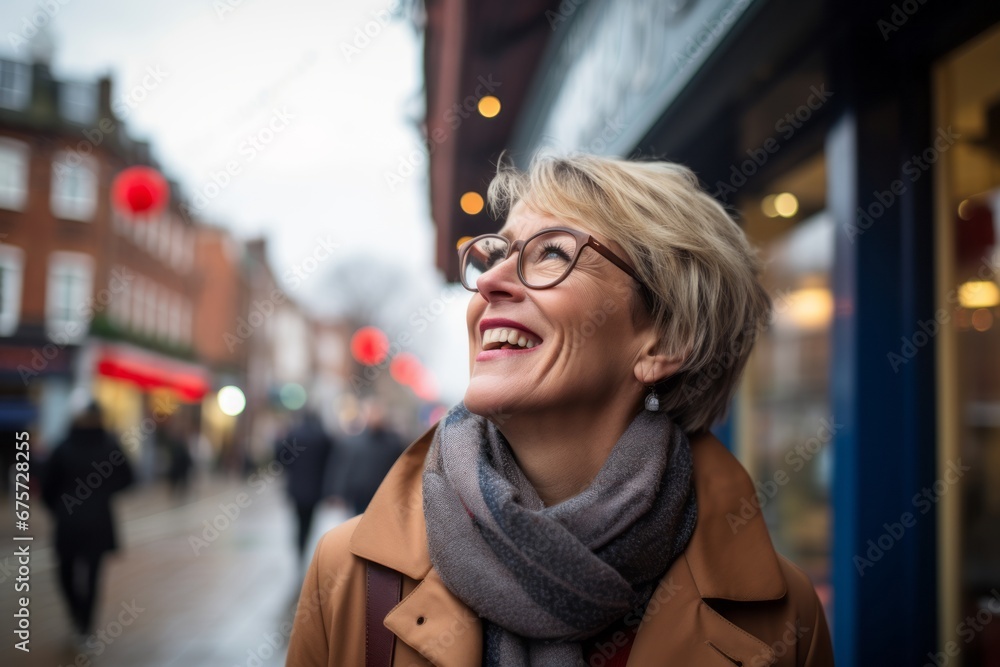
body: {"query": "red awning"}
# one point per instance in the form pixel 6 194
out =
pixel 153 371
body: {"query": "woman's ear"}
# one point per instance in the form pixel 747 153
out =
pixel 655 366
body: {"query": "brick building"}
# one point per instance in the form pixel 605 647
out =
pixel 92 304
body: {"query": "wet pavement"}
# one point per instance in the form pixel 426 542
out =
pixel 194 584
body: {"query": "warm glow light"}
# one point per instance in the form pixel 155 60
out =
pixel 978 294
pixel 786 204
pixel 982 319
pixel 231 400
pixel 808 308
pixel 462 240
pixel 965 210
pixel 471 203
pixel 489 106
pixel 767 206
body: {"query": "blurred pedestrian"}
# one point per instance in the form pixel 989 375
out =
pixel 303 454
pixel 368 460
pixel 174 441
pixel 81 476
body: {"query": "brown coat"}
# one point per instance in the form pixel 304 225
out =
pixel 728 600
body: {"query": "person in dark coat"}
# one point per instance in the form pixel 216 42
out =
pixel 367 462
pixel 304 453
pixel 174 441
pixel 82 475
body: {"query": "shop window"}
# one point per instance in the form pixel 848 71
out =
pixel 967 91
pixel 784 424
pixel 14 157
pixel 70 282
pixel 74 186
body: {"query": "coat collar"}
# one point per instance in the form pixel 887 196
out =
pixel 729 557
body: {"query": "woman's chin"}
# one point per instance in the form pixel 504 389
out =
pixel 486 401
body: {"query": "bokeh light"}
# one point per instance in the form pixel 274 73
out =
pixel 231 400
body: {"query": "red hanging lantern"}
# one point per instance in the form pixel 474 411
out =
pixel 140 191
pixel 406 369
pixel 369 346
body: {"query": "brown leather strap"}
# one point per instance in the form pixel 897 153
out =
pixel 383 590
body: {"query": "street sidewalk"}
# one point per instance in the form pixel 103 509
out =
pixel 211 580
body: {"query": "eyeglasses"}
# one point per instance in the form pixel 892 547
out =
pixel 544 260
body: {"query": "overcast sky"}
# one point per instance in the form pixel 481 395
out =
pixel 313 112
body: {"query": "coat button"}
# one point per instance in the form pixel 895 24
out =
pixel 420 620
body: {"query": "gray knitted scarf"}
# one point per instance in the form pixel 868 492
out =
pixel 546 578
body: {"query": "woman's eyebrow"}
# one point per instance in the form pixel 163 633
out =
pixel 507 234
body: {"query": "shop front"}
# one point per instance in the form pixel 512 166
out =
pixel 858 144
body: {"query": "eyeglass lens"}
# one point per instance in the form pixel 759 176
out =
pixel 544 260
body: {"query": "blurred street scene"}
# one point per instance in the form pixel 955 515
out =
pixel 228 287
pixel 184 568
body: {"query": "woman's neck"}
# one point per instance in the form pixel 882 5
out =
pixel 561 452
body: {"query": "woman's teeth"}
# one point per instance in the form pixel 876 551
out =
pixel 494 339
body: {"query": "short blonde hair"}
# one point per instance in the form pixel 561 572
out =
pixel 703 276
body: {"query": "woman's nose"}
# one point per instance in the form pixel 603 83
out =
pixel 501 280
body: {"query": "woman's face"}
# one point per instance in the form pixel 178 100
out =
pixel 580 344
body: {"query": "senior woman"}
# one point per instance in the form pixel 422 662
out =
pixel 575 509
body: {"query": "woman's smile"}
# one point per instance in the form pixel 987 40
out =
pixel 502 337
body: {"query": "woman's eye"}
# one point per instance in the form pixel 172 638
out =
pixel 552 252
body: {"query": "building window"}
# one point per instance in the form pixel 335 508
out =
pixel 11 272
pixel 186 322
pixel 152 296
pixel 163 314
pixel 784 417
pixel 74 186
pixel 71 278
pixel 14 157
pixel 15 85
pixel 177 247
pixel 176 306
pixel 966 134
pixel 121 303
pixel 138 310
pixel 78 102
pixel 166 230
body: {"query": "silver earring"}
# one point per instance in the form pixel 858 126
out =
pixel 652 401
